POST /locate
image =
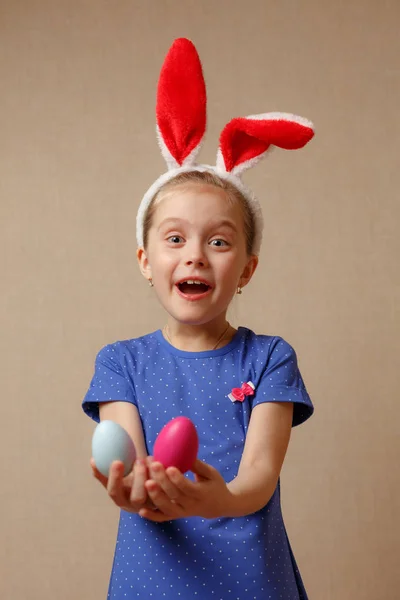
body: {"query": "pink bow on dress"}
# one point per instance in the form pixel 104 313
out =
pixel 240 394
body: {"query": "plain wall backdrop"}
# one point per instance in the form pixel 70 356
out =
pixel 78 150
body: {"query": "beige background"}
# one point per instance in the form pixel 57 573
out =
pixel 77 150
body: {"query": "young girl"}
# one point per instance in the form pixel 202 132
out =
pixel 218 533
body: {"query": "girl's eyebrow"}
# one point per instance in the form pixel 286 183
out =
pixel 213 225
pixel 224 223
pixel 171 221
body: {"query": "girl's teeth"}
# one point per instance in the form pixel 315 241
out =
pixel 188 286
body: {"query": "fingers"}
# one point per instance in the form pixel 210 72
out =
pixel 162 492
pixel 138 495
pixel 159 475
pixel 96 473
pixel 203 470
pixel 113 483
pixel 155 493
pixel 170 509
pixel 184 486
pixel 127 492
pixel 115 487
pixel 154 515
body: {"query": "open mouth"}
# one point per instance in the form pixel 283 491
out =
pixel 193 287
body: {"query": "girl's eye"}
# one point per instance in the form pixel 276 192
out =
pixel 218 243
pixel 175 239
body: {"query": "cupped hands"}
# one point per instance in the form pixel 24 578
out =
pixel 160 494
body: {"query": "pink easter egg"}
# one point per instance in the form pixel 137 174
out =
pixel 177 444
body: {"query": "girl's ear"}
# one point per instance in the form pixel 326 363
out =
pixel 144 264
pixel 248 271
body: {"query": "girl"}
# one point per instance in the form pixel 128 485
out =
pixel 218 533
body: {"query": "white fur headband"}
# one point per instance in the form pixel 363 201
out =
pixel 181 125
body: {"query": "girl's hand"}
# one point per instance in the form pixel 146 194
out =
pixel 177 497
pixel 129 493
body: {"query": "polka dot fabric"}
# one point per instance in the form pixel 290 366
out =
pixel 225 559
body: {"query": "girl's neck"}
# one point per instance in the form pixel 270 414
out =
pixel 198 338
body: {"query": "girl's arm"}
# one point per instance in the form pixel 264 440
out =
pixel 127 492
pixel 209 496
pixel 126 415
pixel 265 448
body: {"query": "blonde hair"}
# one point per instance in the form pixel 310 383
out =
pixel 233 194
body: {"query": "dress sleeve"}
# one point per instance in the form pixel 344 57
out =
pixel 281 381
pixel 110 382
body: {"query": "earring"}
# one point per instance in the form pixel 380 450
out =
pixel 239 290
pixel 150 282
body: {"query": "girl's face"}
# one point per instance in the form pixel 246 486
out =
pixel 196 253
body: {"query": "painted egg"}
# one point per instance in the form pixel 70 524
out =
pixel 177 444
pixel 111 442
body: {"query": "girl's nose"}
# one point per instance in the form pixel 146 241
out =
pixel 196 257
pixel 197 262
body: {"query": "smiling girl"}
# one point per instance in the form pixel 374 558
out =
pixel 218 533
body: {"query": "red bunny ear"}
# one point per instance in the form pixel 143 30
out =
pixel 181 104
pixel 244 141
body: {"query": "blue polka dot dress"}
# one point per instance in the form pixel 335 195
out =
pixel 245 558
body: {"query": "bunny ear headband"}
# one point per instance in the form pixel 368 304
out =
pixel 181 125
